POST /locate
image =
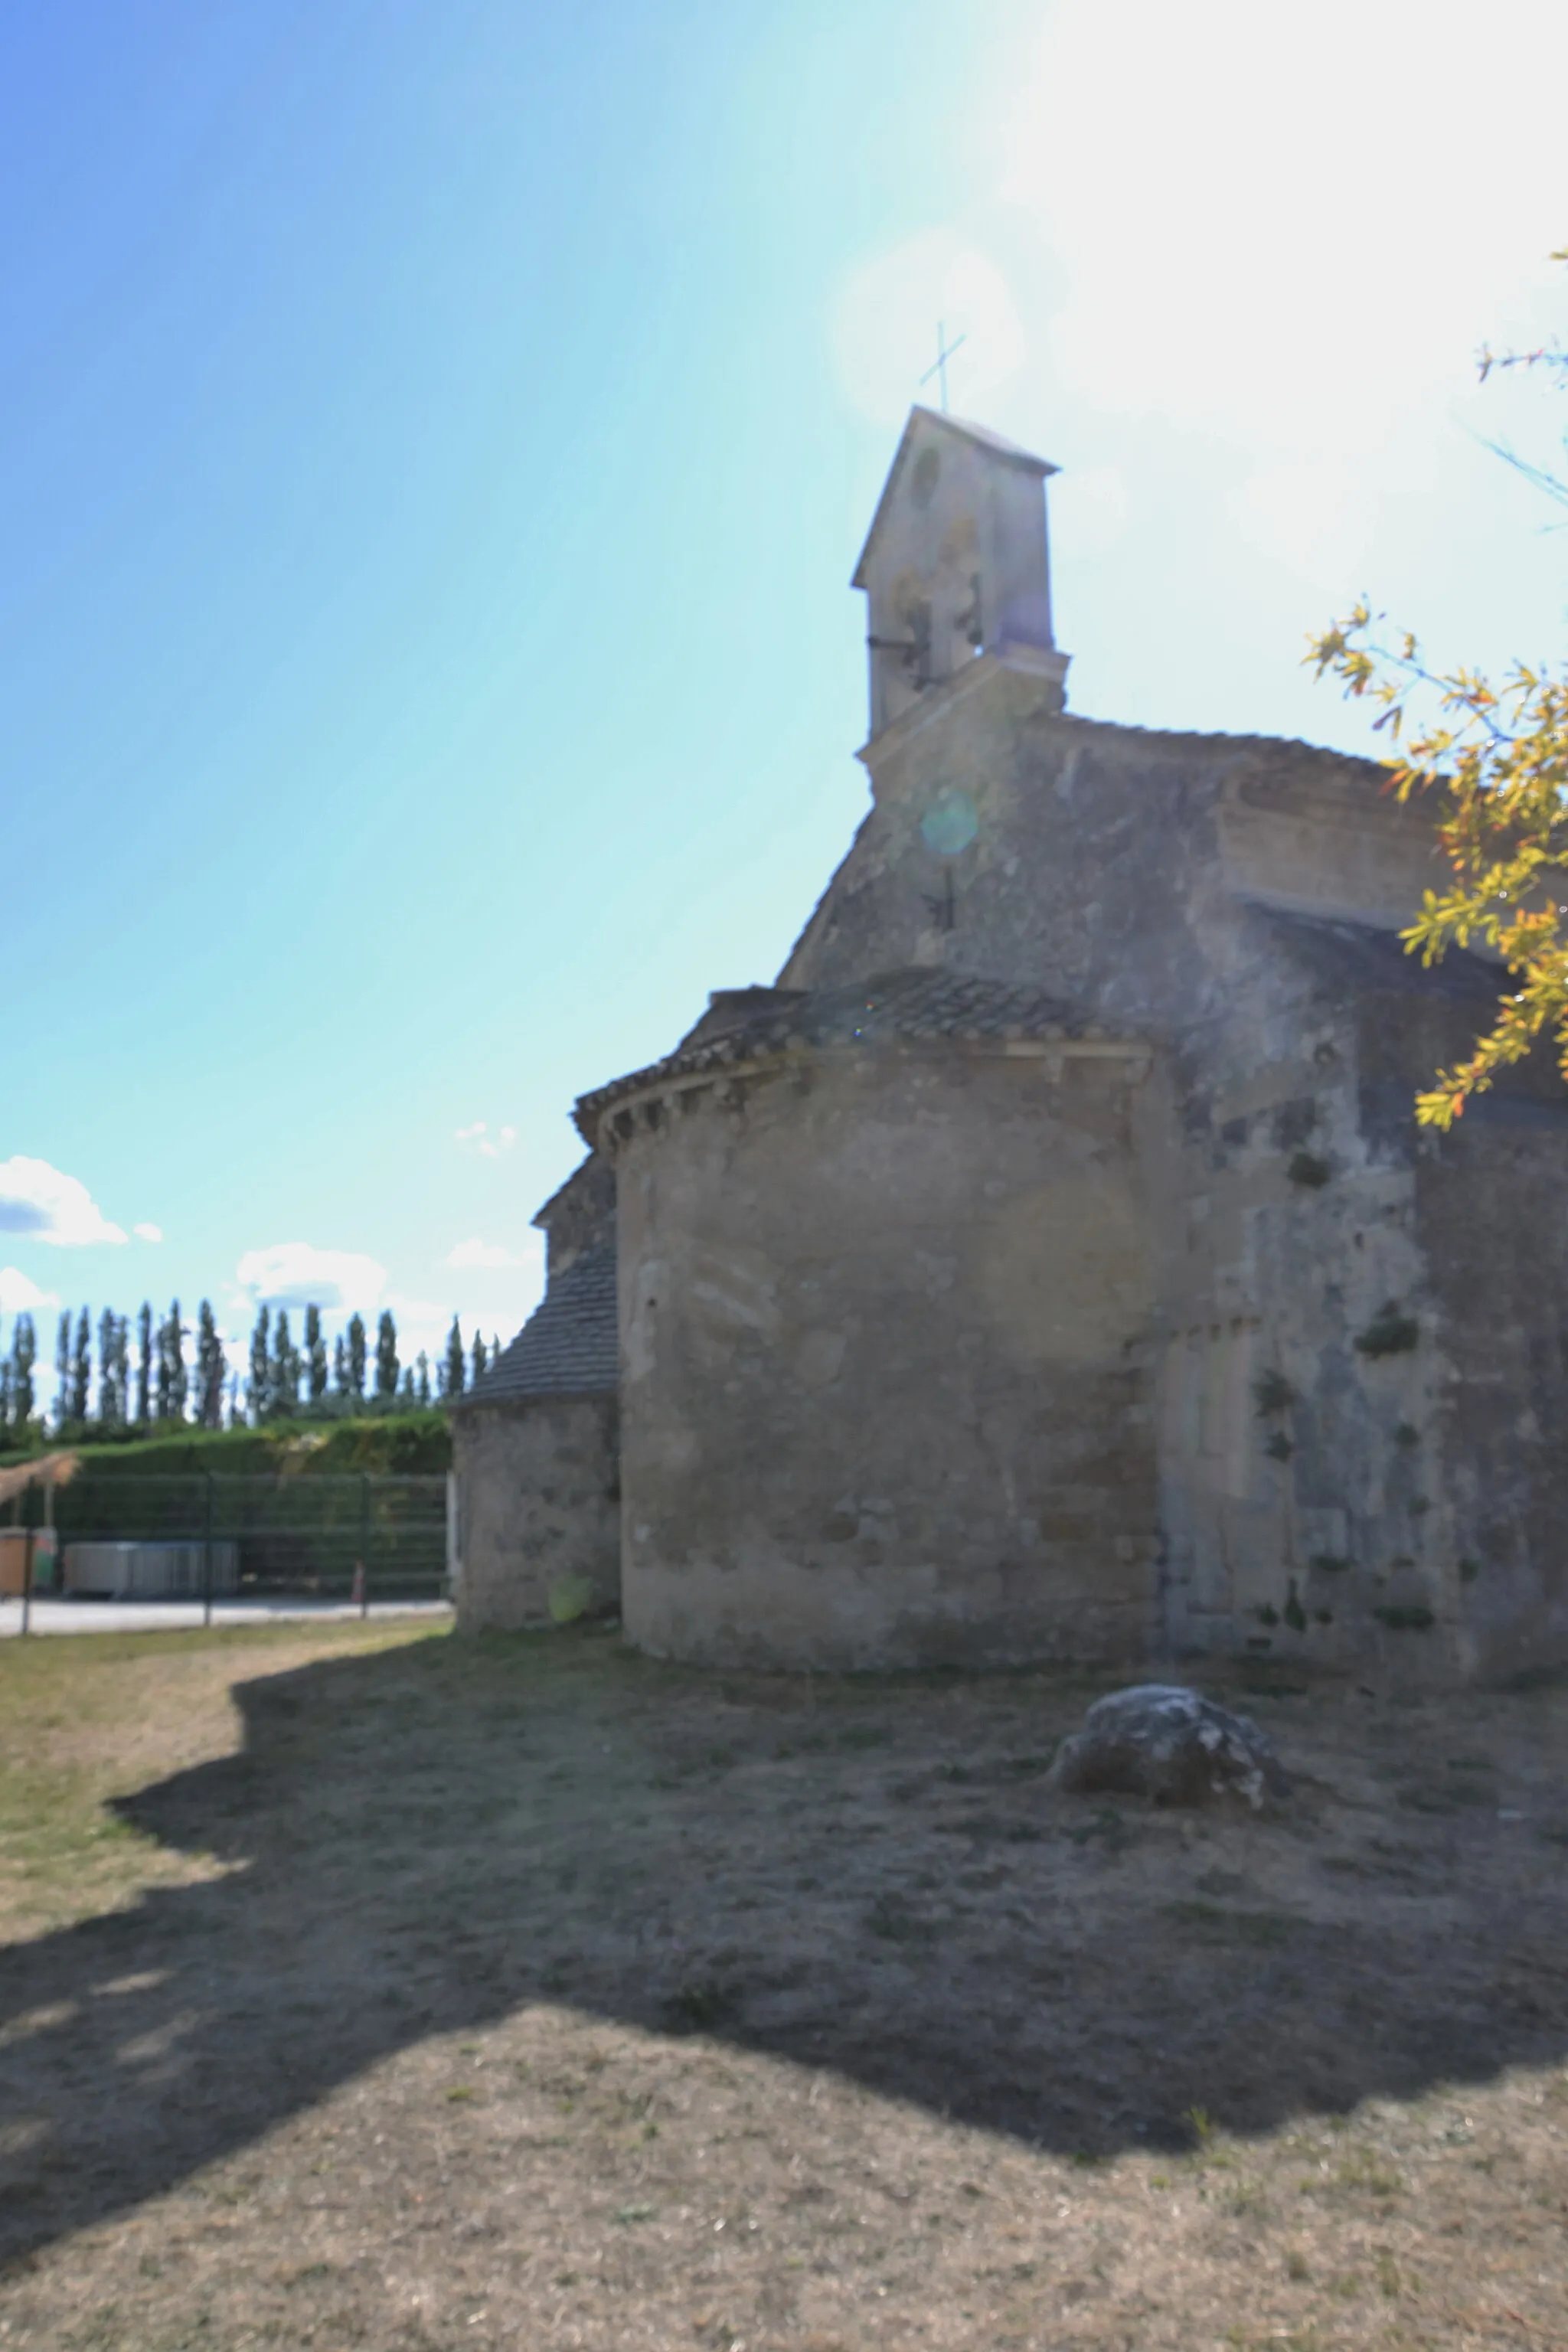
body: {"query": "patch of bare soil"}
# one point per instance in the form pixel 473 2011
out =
pixel 546 1997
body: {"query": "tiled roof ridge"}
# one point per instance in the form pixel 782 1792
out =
pixel 914 1001
pixel 1246 741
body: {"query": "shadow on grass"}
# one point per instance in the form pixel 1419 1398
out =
pixel 868 1876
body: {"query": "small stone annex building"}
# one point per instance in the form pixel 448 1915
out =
pixel 1048 1263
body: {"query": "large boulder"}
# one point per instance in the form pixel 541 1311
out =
pixel 1171 1746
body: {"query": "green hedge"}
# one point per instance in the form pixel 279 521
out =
pixel 402 1443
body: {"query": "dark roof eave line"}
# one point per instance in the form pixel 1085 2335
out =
pixel 560 1393
pixel 979 1013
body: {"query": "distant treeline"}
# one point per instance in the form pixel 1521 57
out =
pixel 107 1394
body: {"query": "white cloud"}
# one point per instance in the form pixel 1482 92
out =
pixel 1305 513
pixel 480 1140
pixel 886 317
pixel 1089 510
pixel 477 1252
pixel 147 1232
pixel 1248 235
pixel 45 1205
pixel 421 1323
pixel 494 1292
pixel 18 1295
pixel 296 1274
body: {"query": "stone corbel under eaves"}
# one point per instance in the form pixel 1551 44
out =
pixel 1053 1054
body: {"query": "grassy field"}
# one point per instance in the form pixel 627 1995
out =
pixel 382 1988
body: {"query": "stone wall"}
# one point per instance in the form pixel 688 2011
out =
pixel 1360 1369
pixel 1284 1239
pixel 539 1502
pixel 1490 1218
pixel 978 1352
pixel 956 559
pixel 885 1392
pixel 1323 1490
pixel 1111 867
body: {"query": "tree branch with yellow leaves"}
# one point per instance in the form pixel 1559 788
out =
pixel 1494 759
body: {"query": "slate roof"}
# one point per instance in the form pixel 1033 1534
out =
pixel 917 1003
pixel 568 1347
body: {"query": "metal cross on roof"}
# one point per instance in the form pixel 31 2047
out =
pixel 944 352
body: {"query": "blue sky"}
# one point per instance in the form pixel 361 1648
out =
pixel 434 440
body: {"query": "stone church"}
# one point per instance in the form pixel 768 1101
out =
pixel 1048 1263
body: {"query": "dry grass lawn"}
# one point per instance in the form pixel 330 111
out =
pixel 377 1988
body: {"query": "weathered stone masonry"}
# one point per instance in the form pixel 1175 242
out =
pixel 1049 1263
pixel 538 1461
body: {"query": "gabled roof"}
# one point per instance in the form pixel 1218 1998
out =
pixel 916 1004
pixel 981 435
pixel 569 1344
pixel 541 1216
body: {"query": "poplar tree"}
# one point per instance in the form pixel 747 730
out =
pixel 81 1367
pixel 315 1355
pixel 144 1367
pixel 63 1371
pixel 114 1369
pixel 341 1365
pixel 481 1366
pixel 171 1354
pixel 212 1370
pixel 284 1385
pixel 6 1397
pixel 23 1355
pixel 170 1394
pixel 406 1391
pixel 457 1371
pixel 356 1357
pixel 422 1386
pixel 386 1359
pixel 258 1391
pixel 107 1368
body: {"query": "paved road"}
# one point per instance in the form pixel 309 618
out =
pixel 49 1616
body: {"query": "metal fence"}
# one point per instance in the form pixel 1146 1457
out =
pixel 271 1537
